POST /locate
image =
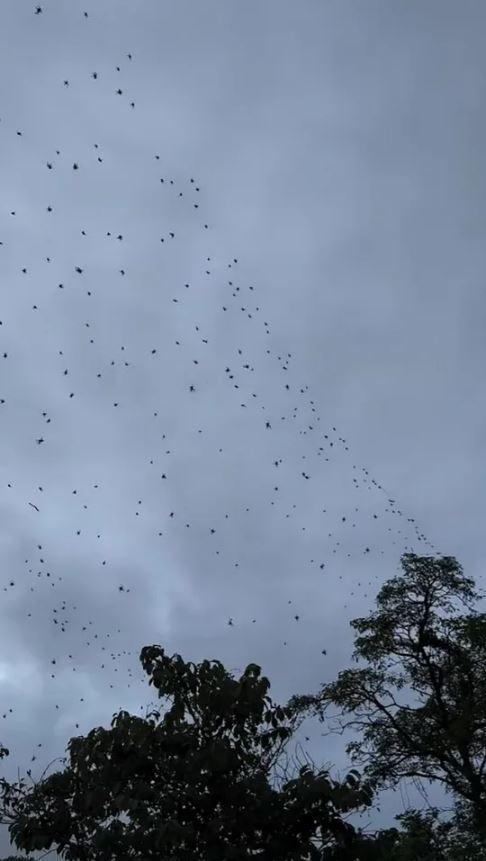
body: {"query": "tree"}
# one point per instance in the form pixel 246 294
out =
pixel 424 836
pixel 416 841
pixel 418 641
pixel 200 781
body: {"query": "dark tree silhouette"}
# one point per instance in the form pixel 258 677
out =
pixel 418 641
pixel 200 781
pixel 424 836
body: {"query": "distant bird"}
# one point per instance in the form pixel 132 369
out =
pixel 31 503
pixel 38 10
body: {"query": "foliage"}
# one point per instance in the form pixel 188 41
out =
pixel 197 782
pixel 424 836
pixel 417 641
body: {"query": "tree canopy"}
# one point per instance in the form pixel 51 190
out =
pixel 419 705
pixel 423 836
pixel 199 781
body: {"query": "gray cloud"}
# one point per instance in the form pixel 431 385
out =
pixel 337 152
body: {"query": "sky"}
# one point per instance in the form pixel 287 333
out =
pixel 266 382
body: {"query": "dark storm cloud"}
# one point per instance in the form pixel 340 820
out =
pixel 337 152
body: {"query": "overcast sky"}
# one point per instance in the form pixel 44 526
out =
pixel 320 166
